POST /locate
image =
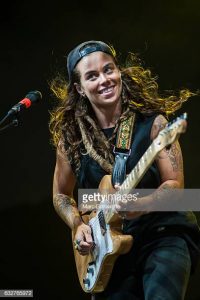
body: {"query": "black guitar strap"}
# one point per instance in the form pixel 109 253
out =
pixel 122 149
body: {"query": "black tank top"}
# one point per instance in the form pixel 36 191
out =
pixel 90 173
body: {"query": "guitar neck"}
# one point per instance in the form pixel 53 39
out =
pixel 140 169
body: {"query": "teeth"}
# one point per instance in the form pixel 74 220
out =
pixel 107 90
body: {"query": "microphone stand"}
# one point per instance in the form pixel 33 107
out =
pixel 12 123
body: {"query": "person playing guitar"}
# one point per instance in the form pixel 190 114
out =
pixel 98 96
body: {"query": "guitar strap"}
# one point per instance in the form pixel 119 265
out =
pixel 122 149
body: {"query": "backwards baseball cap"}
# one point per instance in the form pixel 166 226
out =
pixel 84 49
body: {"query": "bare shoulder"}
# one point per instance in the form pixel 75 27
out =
pixel 158 124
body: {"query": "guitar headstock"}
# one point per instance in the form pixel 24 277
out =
pixel 171 132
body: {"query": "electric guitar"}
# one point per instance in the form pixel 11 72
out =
pixel 94 269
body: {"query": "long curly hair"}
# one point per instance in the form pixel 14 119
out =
pixel 73 125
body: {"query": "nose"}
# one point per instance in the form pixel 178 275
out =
pixel 104 78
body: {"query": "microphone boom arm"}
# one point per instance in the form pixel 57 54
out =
pixel 12 123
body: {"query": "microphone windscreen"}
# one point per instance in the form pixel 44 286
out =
pixel 34 96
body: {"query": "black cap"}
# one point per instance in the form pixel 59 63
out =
pixel 84 49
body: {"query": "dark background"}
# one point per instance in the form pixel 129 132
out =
pixel 35 245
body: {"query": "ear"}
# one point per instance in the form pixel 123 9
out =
pixel 79 89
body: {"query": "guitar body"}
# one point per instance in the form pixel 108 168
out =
pixel 94 270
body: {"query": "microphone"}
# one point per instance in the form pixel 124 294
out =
pixel 32 97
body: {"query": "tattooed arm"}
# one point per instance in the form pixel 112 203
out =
pixel 66 207
pixel 169 160
pixel 170 165
pixel 63 185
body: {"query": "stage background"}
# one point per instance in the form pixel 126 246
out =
pixel 36 251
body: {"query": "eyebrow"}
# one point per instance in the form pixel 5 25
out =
pixel 93 71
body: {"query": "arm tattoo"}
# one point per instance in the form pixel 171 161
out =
pixel 64 200
pixel 175 157
pixel 173 151
pixel 160 123
pixel 166 193
pixel 67 209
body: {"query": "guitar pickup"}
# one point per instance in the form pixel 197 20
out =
pixel 90 270
pixel 86 281
pixel 102 222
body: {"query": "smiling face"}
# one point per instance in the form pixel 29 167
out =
pixel 100 79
